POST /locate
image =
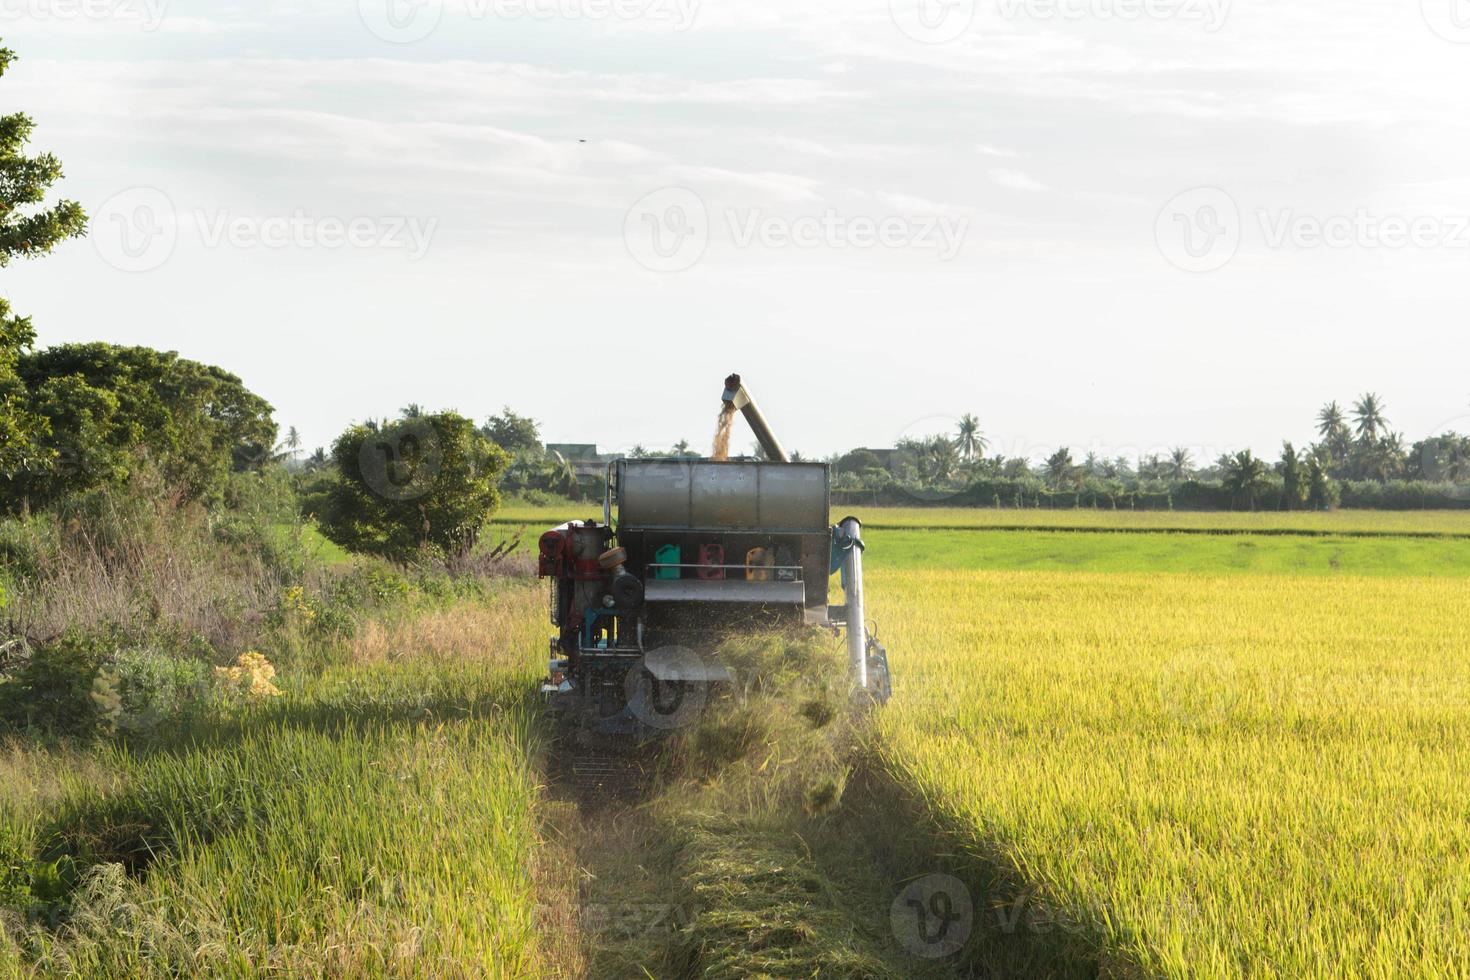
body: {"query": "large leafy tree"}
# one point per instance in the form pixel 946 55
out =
pixel 107 407
pixel 416 483
pixel 514 433
pixel 27 228
pixel 1441 458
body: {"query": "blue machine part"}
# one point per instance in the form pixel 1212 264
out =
pixel 589 625
pixel 842 543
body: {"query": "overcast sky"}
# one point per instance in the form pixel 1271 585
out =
pixel 1112 224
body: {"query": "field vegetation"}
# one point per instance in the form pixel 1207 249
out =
pixel 1193 775
pixel 1341 523
pixel 220 754
pixel 1200 554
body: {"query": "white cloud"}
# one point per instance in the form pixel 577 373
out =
pixel 1015 180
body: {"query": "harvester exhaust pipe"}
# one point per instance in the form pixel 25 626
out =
pixel 736 395
pixel 852 584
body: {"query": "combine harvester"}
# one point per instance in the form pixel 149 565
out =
pixel 699 550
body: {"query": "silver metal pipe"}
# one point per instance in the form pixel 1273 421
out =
pixel 857 629
pixel 736 395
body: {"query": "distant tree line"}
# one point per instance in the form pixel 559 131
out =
pixel 1357 461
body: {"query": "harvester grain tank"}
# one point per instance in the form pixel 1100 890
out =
pixel 689 551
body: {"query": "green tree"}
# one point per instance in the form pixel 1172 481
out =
pixel 858 461
pixel 969 439
pixel 1368 414
pixel 514 433
pixel 1330 421
pixel 412 484
pixel 1444 458
pixel 1060 470
pixel 23 431
pixel 1245 477
pixel 106 407
pixel 1336 438
pixel 938 459
pixel 1293 489
pixel 1181 464
pixel 27 228
pixel 1322 490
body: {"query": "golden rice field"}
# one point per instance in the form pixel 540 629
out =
pixel 1195 776
pixel 1347 522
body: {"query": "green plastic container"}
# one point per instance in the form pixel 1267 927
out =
pixel 667 555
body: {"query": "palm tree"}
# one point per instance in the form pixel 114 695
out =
pixel 1368 413
pixel 1059 467
pixel 1181 464
pixel 1244 476
pixel 562 474
pixel 940 457
pixel 293 441
pixel 1385 458
pixel 971 441
pixel 1293 490
pixel 1330 421
pixel 681 448
pixel 413 410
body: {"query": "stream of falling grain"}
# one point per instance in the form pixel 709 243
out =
pixel 721 448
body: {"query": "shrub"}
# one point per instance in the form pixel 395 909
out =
pixel 424 482
pixel 51 690
pixel 155 689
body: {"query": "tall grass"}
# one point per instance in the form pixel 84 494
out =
pixel 144 561
pixel 380 817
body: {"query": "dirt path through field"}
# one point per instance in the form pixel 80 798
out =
pixel 704 874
